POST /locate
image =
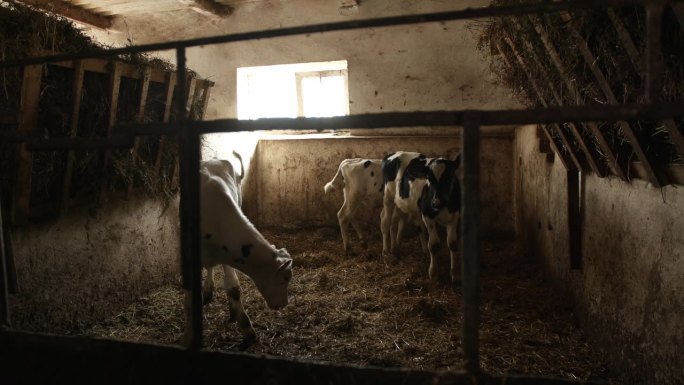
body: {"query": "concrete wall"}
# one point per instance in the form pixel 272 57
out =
pixel 629 294
pixel 288 188
pixel 90 263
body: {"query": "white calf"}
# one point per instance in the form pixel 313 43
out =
pixel 440 203
pixel 230 239
pixel 361 180
pixel 400 199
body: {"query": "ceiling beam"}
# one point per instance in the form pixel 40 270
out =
pixel 73 12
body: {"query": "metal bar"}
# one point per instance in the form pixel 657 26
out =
pixel 75 113
pixel 468 13
pixel 28 121
pixel 402 119
pixel 4 290
pixel 604 85
pixel 470 230
pixel 189 156
pixel 654 55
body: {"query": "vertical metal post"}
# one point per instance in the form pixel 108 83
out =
pixel 654 55
pixel 189 157
pixel 4 292
pixel 470 247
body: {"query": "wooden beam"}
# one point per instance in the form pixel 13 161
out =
pixel 654 55
pixel 618 168
pixel 604 85
pixel 568 164
pixel 574 219
pixel 634 56
pixel 77 89
pixel 205 101
pixel 73 12
pixel 28 125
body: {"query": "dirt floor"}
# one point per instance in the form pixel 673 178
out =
pixel 360 310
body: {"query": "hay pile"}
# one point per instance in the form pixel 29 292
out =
pixel 27 32
pixel 358 310
pixel 603 41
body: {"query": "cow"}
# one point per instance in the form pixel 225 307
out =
pixel 231 240
pixel 440 204
pixel 400 200
pixel 362 185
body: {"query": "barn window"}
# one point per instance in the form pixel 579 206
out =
pixel 291 90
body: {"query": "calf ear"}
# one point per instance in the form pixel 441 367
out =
pixel 287 265
pixel 457 159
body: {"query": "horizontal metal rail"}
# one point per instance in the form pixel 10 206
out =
pixel 468 13
pixel 374 120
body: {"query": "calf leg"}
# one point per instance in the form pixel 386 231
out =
pixel 343 219
pixel 208 286
pixel 236 311
pixel 398 223
pixel 423 239
pixel 385 227
pixel 433 246
pixel 452 241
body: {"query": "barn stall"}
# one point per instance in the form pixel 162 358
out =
pixel 567 285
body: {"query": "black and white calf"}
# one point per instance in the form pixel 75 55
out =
pixel 231 240
pixel 361 183
pixel 400 199
pixel 440 204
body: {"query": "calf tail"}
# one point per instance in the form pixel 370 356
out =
pixel 336 182
pixel 242 165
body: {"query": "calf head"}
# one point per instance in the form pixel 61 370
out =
pixel 272 282
pixel 443 189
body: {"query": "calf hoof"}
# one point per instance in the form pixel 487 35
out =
pixel 248 340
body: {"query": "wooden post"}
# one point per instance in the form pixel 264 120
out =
pixel 574 219
pixel 114 85
pixel 205 101
pixel 603 84
pixel 77 89
pixel 678 9
pixel 140 116
pixel 170 86
pixel 28 125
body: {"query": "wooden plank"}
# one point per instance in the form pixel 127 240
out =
pixel 114 86
pixel 73 12
pixel 591 61
pixel 613 162
pixel 569 164
pixel 28 125
pixel 77 89
pixel 170 87
pixel 191 95
pixel 205 102
pixel 634 56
